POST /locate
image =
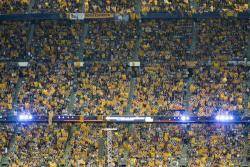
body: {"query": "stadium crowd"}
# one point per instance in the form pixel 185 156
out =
pixel 9 77
pixel 39 145
pixel 183 67
pixel 102 90
pixel 5 137
pixel 46 88
pixel 123 6
pixel 109 41
pixel 139 145
pixel 175 64
pixel 196 6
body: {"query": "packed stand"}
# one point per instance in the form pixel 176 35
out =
pixel 197 6
pixel 165 6
pixel 55 41
pixel 14 6
pixel 159 90
pixel 218 88
pixel 13 40
pixel 136 145
pixel 217 145
pixel 222 39
pixel 87 143
pixel 39 145
pixel 8 79
pixel 162 41
pixel 5 138
pixel 109 6
pixel 61 6
pixel 46 88
pixel 102 89
pixel 198 145
pixel 148 145
pixel 229 7
pixel 109 41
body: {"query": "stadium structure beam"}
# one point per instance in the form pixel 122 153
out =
pixel 228 119
pixel 110 154
pixel 248 45
pixel 135 53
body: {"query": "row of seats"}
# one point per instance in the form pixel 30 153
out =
pixel 122 6
pixel 139 145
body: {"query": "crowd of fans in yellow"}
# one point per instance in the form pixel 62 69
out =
pixel 39 145
pixel 134 145
pixel 124 6
pixel 9 78
pixel 44 91
pixel 102 88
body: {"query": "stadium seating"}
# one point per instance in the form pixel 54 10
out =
pixel 55 41
pixel 218 89
pixel 159 89
pixel 39 145
pixel 217 39
pixel 165 50
pixel 147 145
pixel 187 66
pixel 5 137
pixel 13 40
pixel 102 90
pixel 9 76
pixel 113 6
pixel 86 145
pixel 46 88
pixel 123 6
pixel 109 41
pixel 13 6
pixel 196 6
pixel 163 40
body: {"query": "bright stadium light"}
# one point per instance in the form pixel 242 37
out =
pixel 25 117
pixel 222 118
pixel 184 118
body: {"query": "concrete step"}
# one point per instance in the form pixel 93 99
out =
pixel 16 92
pixel 31 4
pixel 131 94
